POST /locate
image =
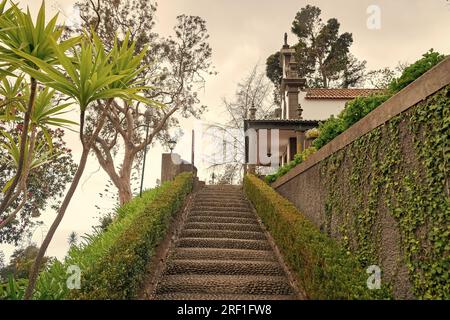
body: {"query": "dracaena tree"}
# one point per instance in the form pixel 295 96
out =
pixel 45 114
pixel 19 36
pixel 92 77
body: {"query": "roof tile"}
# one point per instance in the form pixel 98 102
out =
pixel 339 93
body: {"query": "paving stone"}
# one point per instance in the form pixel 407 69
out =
pixel 223 243
pixel 211 212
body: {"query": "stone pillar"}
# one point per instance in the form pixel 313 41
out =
pixel 291 84
pixel 300 141
pixel 172 165
pixel 293 91
pixel 168 168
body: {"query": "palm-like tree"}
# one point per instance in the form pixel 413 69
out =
pixel 92 77
pixel 20 35
pixel 72 239
pixel 38 152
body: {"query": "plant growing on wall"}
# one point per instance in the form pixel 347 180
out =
pixel 358 108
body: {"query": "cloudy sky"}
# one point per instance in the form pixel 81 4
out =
pixel 243 33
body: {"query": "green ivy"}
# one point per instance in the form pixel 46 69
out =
pixel 402 167
pixel 321 266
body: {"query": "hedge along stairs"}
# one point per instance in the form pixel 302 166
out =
pixel 223 253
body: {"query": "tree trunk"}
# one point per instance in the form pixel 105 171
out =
pixel 26 123
pixel 125 193
pixel 37 263
pixel 87 145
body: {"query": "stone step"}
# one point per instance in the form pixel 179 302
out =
pixel 229 234
pixel 221 189
pixel 224 203
pixel 222 219
pixel 229 297
pixel 223 267
pixel 220 284
pixel 236 214
pixel 218 197
pixel 222 254
pixel 220 194
pixel 196 207
pixel 223 243
pixel 223 226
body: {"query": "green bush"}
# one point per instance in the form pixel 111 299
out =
pixel 322 267
pixel 358 108
pixel 113 262
pixel 13 289
pixel 415 70
pixel 299 158
pixel 329 129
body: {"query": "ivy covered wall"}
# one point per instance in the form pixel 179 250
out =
pixel 386 198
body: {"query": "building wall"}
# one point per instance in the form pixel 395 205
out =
pixel 380 188
pixel 320 109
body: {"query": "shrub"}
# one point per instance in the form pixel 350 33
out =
pixel 119 273
pixel 299 158
pixel 329 129
pixel 312 133
pixel 113 262
pixel 358 108
pixel 415 70
pixel 13 289
pixel 322 267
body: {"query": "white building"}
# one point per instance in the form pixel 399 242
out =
pixel 301 109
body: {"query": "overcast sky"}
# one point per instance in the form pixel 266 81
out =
pixel 243 33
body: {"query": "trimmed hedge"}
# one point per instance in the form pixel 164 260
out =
pixel 119 274
pixel 322 267
pixel 113 263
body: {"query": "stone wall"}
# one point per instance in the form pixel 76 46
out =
pixel 381 188
pixel 172 165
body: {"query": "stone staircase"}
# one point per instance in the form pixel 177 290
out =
pixel 222 253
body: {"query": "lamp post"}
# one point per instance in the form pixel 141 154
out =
pixel 171 143
pixel 148 117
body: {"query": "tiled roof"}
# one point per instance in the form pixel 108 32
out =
pixel 278 120
pixel 339 93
